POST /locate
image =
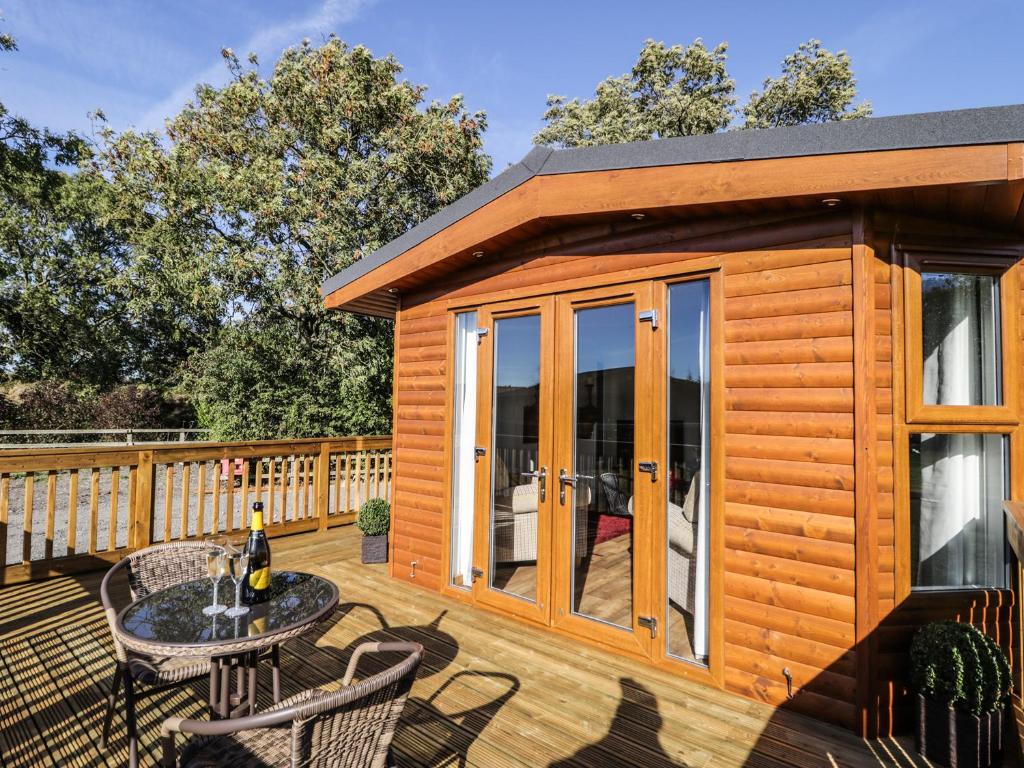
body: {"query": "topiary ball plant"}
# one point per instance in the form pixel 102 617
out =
pixel 959 665
pixel 374 517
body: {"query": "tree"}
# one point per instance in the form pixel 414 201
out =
pixel 816 86
pixel 685 92
pixel 66 310
pixel 669 92
pixel 262 188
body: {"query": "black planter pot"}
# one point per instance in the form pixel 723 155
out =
pixel 958 739
pixel 375 549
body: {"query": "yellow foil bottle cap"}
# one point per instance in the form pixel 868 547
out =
pixel 257 520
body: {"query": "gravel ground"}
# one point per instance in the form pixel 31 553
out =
pixel 59 548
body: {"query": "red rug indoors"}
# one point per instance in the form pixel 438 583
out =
pixel 611 527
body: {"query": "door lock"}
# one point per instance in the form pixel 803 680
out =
pixel 542 480
pixel 564 480
pixel 651 467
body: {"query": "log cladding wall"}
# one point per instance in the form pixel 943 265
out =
pixel 901 612
pixel 788 559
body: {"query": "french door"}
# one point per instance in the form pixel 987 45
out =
pixel 591 509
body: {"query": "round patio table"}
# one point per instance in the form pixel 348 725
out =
pixel 170 624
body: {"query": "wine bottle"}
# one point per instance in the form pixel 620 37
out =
pixel 256 583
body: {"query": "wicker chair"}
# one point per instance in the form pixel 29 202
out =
pixel 149 570
pixel 348 728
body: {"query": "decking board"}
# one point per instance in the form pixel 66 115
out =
pixel 492 691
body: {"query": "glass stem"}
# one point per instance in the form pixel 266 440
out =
pixel 238 594
pixel 214 603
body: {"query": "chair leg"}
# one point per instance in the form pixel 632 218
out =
pixel 133 735
pixel 275 672
pixel 115 687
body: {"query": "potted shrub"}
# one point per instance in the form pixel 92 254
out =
pixel 374 520
pixel 963 683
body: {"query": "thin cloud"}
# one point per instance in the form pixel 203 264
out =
pixel 266 43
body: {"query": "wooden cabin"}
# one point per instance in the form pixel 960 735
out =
pixel 744 406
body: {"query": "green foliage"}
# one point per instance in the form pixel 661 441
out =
pixel 67 308
pixel 816 86
pixel 259 191
pixel 687 91
pixel 669 92
pixel 374 517
pixel 960 666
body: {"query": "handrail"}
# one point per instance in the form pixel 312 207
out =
pixel 65 510
pixel 1015 527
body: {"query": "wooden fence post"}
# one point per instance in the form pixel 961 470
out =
pixel 322 484
pixel 140 511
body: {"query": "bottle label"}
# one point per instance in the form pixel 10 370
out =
pixel 260 579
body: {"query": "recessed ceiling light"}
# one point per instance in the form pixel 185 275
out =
pixel 392 290
pixel 478 254
pixel 831 202
pixel 637 216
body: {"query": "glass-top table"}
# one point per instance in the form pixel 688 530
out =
pixel 171 623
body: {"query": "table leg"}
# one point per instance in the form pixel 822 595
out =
pixel 214 681
pixel 225 689
pixel 275 661
pixel 254 660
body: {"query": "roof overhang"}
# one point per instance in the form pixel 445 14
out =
pixel 981 146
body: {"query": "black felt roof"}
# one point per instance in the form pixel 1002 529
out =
pixel 989 125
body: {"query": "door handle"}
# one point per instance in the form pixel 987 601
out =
pixel 542 480
pixel 564 480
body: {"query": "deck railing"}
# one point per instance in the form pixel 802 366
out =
pixel 66 510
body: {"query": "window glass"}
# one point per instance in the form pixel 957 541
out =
pixel 686 518
pixel 960 339
pixel 957 486
pixel 463 444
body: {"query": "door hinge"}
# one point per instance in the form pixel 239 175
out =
pixel 476 573
pixel 650 622
pixel 651 467
pixel 649 316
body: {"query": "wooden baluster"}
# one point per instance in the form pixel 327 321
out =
pixel 73 511
pixel 5 505
pixel 245 493
pixel 376 474
pixel 51 512
pixel 295 487
pixel 168 499
pixel 387 474
pixel 322 485
pixel 201 501
pixel 26 527
pixel 259 479
pixel 133 500
pixel 215 524
pixel 348 471
pixel 284 488
pixel 306 472
pixel 186 494
pixel 229 522
pixel 365 482
pixel 141 504
pixel 270 488
pixel 115 489
pixel 94 508
pixel 336 506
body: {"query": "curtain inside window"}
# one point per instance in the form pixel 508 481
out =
pixel 960 339
pixel 957 486
pixel 463 444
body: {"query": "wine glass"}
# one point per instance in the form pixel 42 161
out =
pixel 216 566
pixel 238 561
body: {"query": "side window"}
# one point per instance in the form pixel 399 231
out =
pixel 962 404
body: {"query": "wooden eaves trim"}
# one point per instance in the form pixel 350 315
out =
pixel 652 188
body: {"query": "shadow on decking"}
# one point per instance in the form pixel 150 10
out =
pixel 56 658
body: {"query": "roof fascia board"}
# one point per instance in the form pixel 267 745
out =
pixel 650 188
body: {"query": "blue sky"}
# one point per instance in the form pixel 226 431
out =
pixel 138 61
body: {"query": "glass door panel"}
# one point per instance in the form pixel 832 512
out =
pixel 604 454
pixel 687 478
pixel 515 457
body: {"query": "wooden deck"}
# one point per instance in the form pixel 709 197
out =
pixel 492 692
